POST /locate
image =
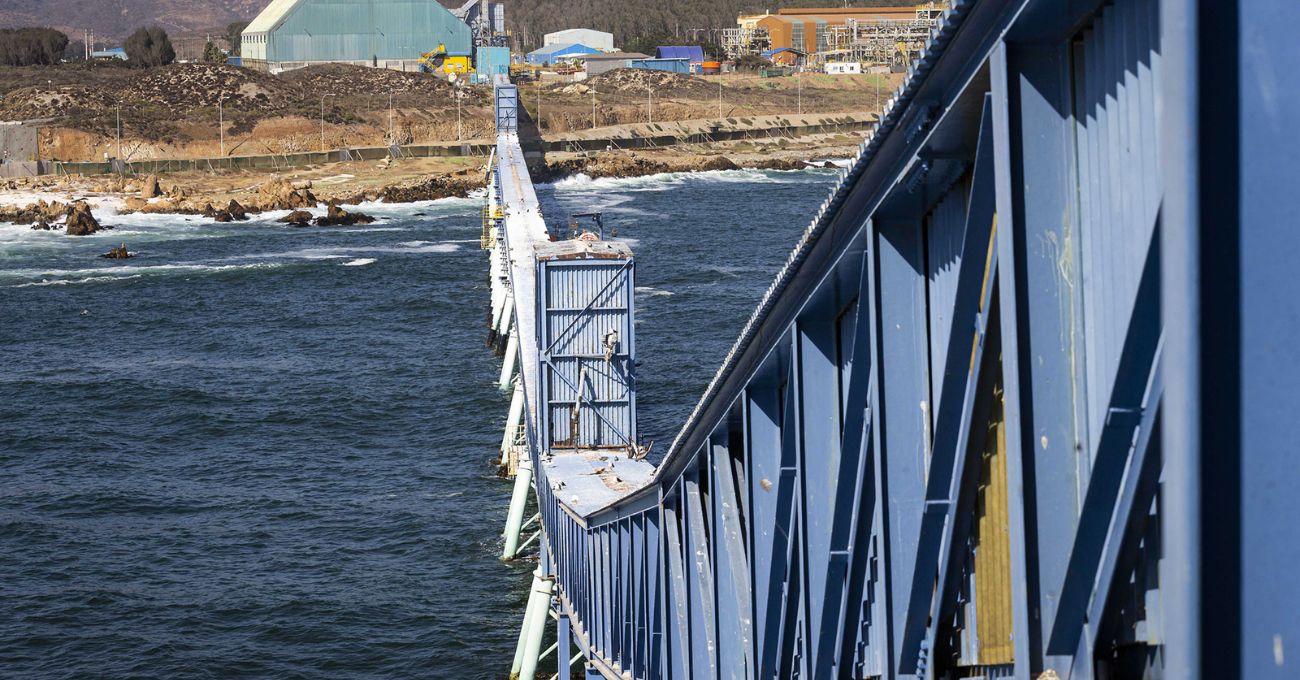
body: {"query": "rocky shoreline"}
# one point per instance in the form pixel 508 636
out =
pixel 154 195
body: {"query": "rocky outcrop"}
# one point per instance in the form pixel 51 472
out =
pixel 118 253
pixel 433 188
pixel 779 164
pixel 280 194
pixel 81 222
pixel 298 218
pixel 236 210
pixel 149 188
pixel 338 217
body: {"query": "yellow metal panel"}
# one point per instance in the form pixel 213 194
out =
pixel 993 543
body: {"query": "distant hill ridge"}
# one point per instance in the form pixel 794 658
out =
pixel 528 19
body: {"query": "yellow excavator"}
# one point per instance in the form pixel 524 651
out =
pixel 440 61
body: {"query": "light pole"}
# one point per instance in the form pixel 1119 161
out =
pixel 798 79
pixel 593 107
pixel 119 130
pixel 649 98
pixel 459 92
pixel 322 120
pixel 390 117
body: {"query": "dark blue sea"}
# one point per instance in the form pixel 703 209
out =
pixel 260 451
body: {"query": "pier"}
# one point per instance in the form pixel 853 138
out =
pixel 1019 404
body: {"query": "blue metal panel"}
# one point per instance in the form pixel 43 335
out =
pixel 506 106
pixel 586 343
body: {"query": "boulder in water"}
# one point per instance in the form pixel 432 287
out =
pixel 80 220
pixel 118 253
pixel 236 210
pixel 337 216
pixel 298 218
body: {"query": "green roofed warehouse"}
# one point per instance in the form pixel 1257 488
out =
pixel 392 34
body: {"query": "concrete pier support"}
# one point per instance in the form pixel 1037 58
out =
pixel 518 500
pixel 536 626
pixel 530 612
pixel 512 422
pixel 508 362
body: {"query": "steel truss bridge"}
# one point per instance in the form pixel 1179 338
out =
pixel 1021 403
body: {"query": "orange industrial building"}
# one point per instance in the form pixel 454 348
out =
pixel 817 30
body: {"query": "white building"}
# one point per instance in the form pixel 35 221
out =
pixel 582 36
pixel 843 67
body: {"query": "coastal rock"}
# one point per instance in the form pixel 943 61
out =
pixel 208 210
pixel 236 210
pixel 298 218
pixel 279 194
pixel 118 253
pixel 80 220
pixel 719 163
pixel 42 225
pixel 433 188
pixel 134 205
pixel 223 216
pixel 150 189
pixel 337 217
pixel 780 164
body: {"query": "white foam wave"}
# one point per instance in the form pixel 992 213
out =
pixel 652 292
pixel 360 262
pixel 61 277
pixel 666 181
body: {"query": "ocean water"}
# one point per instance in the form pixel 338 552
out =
pixel 260 451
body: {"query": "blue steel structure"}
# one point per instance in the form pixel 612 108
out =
pixel 1021 400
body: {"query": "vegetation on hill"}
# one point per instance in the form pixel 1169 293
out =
pixel 648 22
pixel 31 46
pixel 149 47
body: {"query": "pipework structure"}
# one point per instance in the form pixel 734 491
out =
pixel 1021 401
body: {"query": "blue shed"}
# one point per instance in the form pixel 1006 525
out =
pixel 673 65
pixel 692 53
pixel 491 61
pixel 551 53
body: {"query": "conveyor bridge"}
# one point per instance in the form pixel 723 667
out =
pixel 1021 402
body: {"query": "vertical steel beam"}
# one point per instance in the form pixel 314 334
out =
pixel 1020 468
pixel 903 414
pixel 563 646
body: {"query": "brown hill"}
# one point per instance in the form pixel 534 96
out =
pixel 528 19
pixel 115 19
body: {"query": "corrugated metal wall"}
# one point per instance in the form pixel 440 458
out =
pixel 1116 69
pixel 362 30
pixel 585 302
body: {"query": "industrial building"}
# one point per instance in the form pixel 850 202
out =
pixel 604 62
pixel 878 35
pixel 392 34
pixel 551 54
pixel 582 36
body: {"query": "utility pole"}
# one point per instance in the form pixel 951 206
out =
pixel 719 91
pixel 390 117
pixel 119 130
pixel 798 79
pixel 539 102
pixel 649 98
pixel 457 90
pixel 593 107
pixel 221 124
pixel 322 122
